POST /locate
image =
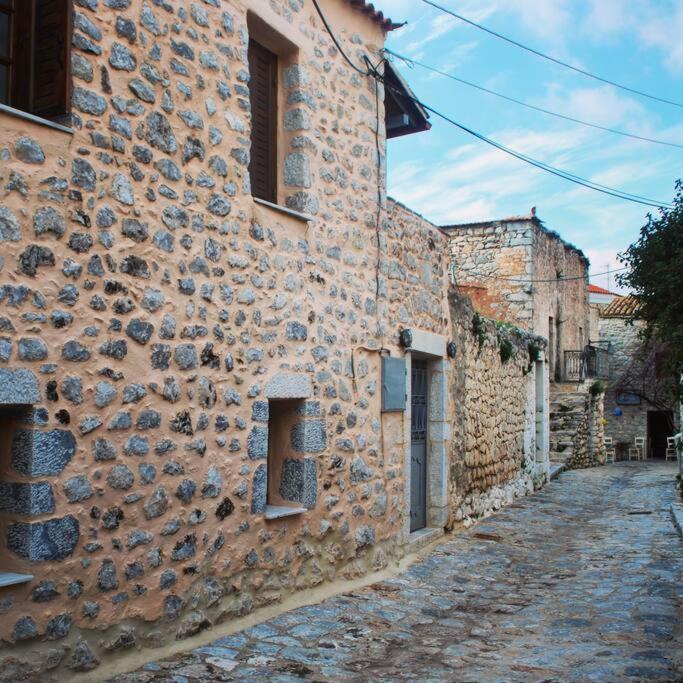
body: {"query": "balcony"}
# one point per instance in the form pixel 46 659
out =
pixel 591 363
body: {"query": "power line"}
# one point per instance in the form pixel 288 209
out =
pixel 525 281
pixel 552 59
pixel 336 42
pixel 372 71
pixel 566 175
pixel 410 60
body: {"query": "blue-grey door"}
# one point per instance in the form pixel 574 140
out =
pixel 418 445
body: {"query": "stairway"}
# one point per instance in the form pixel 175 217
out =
pixel 575 426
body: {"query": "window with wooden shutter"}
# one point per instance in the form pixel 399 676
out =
pixel 35 36
pixel 263 97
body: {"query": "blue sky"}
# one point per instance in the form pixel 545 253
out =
pixel 451 177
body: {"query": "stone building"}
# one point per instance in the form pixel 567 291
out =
pixel 518 271
pixel 226 366
pixel 639 401
pixel 598 299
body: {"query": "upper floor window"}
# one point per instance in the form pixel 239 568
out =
pixel 34 56
pixel 263 68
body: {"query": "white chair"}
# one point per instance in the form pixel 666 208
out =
pixel 610 452
pixel 670 448
pixel 637 451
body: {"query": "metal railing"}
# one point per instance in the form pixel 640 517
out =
pixel 592 362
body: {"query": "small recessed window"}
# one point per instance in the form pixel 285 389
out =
pixel 263 68
pixel 34 56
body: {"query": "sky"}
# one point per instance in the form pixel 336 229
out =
pixel 451 177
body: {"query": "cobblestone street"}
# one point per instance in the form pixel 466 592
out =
pixel 580 581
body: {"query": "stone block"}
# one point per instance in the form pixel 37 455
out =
pixel 297 170
pixel 309 409
pixel 18 387
pixel 309 436
pixel 259 490
pixel 299 482
pixel 259 411
pixel 36 453
pixel 257 443
pixel 53 539
pixel 26 499
pixel 286 385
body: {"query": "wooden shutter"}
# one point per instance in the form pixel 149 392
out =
pixel 263 97
pixel 52 28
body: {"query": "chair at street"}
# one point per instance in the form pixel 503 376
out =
pixel 637 451
pixel 610 451
pixel 670 448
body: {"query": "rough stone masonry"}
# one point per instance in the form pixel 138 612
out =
pixel 152 314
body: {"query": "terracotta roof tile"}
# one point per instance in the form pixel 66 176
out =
pixel 623 307
pixel 596 289
pixel 376 15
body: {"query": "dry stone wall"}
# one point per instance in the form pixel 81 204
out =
pixel 150 310
pixel 493 456
pixel 577 427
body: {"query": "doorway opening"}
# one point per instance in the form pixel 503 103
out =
pixel 660 425
pixel 419 397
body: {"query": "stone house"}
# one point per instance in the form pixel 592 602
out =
pixel 227 362
pixel 518 271
pixel 639 401
pixel 598 299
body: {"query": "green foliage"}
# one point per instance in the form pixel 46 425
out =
pixel 507 349
pixel 478 329
pixel 534 349
pixel 655 274
pixel 598 387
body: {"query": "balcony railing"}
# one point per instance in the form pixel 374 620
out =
pixel 591 363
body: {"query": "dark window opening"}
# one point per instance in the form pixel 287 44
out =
pixel 34 56
pixel 263 98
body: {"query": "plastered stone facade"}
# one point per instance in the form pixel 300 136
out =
pixel 490 263
pixel 150 308
pixel 494 455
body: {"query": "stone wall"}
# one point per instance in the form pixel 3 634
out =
pixel 489 262
pixel 577 426
pixel 566 302
pixel 152 311
pixel 632 367
pixel 494 456
pixel 480 253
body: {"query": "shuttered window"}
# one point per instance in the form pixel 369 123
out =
pixel 34 56
pixel 263 97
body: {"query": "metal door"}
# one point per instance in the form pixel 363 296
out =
pixel 418 445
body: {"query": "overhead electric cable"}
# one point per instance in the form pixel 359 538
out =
pixel 511 279
pixel 620 194
pixel 372 71
pixel 336 42
pixel 410 60
pixel 549 58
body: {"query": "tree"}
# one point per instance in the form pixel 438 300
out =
pixel 655 275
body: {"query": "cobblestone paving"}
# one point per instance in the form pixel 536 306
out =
pixel 582 581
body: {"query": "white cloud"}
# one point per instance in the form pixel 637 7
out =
pixel 601 105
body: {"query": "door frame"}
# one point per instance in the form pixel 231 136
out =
pixel 432 348
pixel 422 495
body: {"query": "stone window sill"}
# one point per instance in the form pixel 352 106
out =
pixel 279 511
pixel 17 113
pixel 283 209
pixel 11 579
